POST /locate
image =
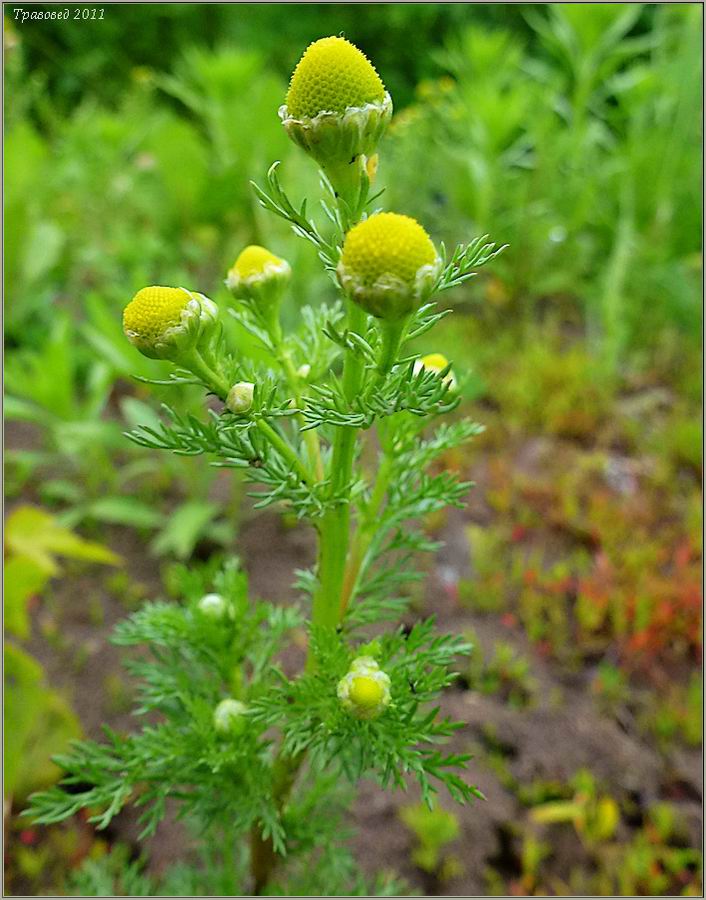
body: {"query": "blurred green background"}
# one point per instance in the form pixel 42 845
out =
pixel 570 132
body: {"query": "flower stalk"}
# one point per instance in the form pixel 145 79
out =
pixel 335 527
pixel 348 712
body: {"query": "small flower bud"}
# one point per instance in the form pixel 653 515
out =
pixel 365 690
pixel 239 399
pixel 388 265
pixel 369 650
pixel 337 108
pixel 436 363
pixel 364 665
pixel 304 371
pixel 166 322
pixel 213 606
pixel 259 276
pixel 228 717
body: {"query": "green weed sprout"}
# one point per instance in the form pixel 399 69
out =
pixel 434 829
pixel 246 750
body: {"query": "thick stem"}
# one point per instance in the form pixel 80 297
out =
pixel 348 180
pixel 263 858
pixel 215 382
pixel 333 548
pixel 335 526
pixel 392 333
pixel 279 442
pixel 334 531
pixel 391 337
pixel 364 534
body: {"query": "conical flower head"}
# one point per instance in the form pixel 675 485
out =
pixel 389 265
pixel 258 275
pixel 332 76
pixel 165 322
pixel 337 107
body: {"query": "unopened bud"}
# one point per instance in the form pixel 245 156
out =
pixel 228 717
pixel 259 277
pixel 365 690
pixel 436 363
pixel 239 399
pixel 213 606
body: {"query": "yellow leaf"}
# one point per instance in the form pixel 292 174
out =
pixel 35 534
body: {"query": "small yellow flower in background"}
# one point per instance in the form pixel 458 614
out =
pixel 229 717
pixel 365 690
pixel 239 399
pixel 389 265
pixel 406 119
pixel 165 322
pixel 258 275
pixel 332 76
pixel 336 108
pixel 257 262
pixel 436 363
pixel 143 75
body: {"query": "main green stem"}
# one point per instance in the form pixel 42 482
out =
pixel 262 853
pixel 363 536
pixel 334 536
pixel 335 525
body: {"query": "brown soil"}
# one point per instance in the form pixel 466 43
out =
pixel 562 732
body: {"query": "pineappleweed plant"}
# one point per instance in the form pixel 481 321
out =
pixel 242 747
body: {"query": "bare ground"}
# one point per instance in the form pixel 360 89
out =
pixel 561 733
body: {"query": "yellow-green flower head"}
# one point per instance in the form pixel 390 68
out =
pixel 336 107
pixel 229 717
pixel 240 396
pixel 164 322
pixel 365 690
pixel 389 265
pixel 436 363
pixel 258 275
pixel 332 75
